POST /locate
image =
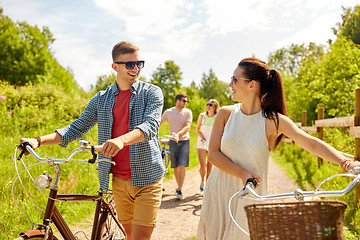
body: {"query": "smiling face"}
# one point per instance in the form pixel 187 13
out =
pixel 210 107
pixel 239 85
pixel 181 103
pixel 126 77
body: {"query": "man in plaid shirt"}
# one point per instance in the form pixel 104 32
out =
pixel 128 115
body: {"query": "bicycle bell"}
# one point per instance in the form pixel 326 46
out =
pixel 43 181
pixel 83 144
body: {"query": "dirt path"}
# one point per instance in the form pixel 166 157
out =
pixel 179 219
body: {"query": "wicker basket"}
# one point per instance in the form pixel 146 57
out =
pixel 296 220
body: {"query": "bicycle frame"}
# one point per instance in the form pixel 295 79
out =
pixel 52 214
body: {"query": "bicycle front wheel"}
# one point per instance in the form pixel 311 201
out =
pixel 108 228
pixel 166 163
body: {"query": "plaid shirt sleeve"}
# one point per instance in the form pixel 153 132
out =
pixel 152 115
pixel 82 125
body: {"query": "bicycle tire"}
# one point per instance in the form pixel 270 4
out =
pixel 107 227
pixel 166 163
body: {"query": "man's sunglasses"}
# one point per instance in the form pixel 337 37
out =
pixel 130 65
pixel 209 104
pixel 185 101
pixel 235 78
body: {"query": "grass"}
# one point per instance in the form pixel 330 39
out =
pixel 35 111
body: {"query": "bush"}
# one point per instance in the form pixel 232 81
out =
pixel 31 111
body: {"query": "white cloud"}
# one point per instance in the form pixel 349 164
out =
pixel 165 21
pixel 235 16
pixel 318 32
pixel 325 15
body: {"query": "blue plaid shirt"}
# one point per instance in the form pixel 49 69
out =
pixel 145 108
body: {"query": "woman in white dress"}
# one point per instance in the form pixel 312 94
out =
pixel 203 128
pixel 241 140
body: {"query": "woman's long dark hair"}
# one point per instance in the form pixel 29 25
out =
pixel 272 94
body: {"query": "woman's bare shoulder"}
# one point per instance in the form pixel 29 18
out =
pixel 224 112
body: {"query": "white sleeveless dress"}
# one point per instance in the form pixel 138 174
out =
pixel 244 142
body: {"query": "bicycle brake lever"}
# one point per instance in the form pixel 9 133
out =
pixel 22 147
pixel 93 160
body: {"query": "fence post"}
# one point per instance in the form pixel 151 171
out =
pixel 294 120
pixel 304 118
pixel 357 140
pixel 320 131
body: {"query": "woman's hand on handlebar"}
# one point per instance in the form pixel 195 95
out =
pixel 248 175
pixel 352 165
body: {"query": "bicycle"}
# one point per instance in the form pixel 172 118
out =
pixel 105 223
pixel 319 219
pixel 165 151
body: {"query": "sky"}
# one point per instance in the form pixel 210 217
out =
pixel 198 35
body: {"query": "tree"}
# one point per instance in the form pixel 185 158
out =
pixel 103 82
pixel 212 87
pixel 289 59
pixel 26 58
pixel 350 26
pixel 331 81
pixel 168 78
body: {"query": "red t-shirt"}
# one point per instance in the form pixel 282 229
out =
pixel 120 126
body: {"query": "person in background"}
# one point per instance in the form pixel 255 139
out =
pixel 203 128
pixel 128 115
pixel 179 119
pixel 243 136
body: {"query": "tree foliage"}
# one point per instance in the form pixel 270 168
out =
pixel 103 82
pixel 26 58
pixel 168 78
pixel 212 87
pixel 350 26
pixel 289 59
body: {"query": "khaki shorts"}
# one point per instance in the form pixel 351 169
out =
pixel 139 205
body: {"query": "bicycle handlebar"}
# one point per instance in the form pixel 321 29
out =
pixel 83 146
pixel 300 194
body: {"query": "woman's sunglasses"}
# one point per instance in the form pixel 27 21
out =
pixel 209 104
pixel 235 78
pixel 130 65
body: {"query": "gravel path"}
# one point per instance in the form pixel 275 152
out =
pixel 179 219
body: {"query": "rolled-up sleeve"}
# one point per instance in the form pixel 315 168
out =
pixel 152 115
pixel 82 125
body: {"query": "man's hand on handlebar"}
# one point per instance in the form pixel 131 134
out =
pixel 32 141
pixel 112 147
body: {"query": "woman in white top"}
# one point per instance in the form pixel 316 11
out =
pixel 203 128
pixel 243 136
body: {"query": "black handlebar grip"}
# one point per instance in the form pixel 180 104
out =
pixel 253 181
pixel 22 147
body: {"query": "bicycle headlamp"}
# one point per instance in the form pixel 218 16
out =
pixel 43 181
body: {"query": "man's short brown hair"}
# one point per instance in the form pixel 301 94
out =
pixel 180 96
pixel 123 48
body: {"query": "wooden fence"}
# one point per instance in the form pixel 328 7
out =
pixel 353 122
